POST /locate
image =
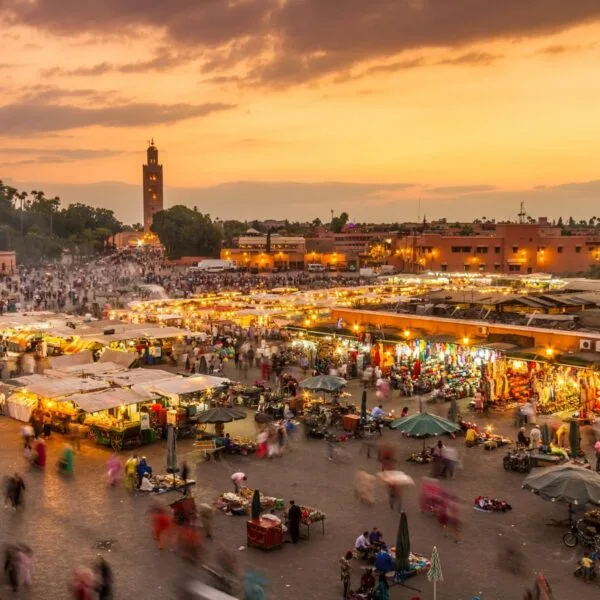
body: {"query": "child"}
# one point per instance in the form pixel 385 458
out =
pixel 587 566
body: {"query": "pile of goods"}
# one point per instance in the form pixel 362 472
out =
pixel 164 483
pixel 241 503
pixel 421 458
pixel 243 445
pixel 312 515
pixel 485 504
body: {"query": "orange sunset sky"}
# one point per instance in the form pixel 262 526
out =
pixel 291 108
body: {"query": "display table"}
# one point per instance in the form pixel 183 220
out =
pixel 308 525
pixel 264 534
pixel 351 422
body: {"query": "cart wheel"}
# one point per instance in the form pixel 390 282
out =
pixel 570 539
pixel 116 441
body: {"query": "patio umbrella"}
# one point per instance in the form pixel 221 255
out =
pixel 323 383
pixel 575 439
pixel 403 545
pixel 220 415
pixel 545 435
pixel 424 425
pixel 256 505
pixel 363 408
pixel 435 571
pixel 171 451
pixel 565 483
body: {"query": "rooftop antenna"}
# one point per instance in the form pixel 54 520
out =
pixel 522 214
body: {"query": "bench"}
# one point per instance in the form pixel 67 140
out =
pixel 207 449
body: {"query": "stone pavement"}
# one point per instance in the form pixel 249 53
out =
pixel 65 520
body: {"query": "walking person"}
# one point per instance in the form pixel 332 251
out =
pixel 185 473
pixel 294 518
pixel 131 473
pixel 597 449
pixel 346 572
pixel 15 489
pixel 25 565
pixel 113 469
pixel 104 578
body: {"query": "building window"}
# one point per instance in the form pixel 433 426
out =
pixel 482 250
pixel 467 268
pixel 497 249
pixel 482 268
pixel 515 249
pixel 578 249
pixel 560 249
pixel 541 248
pixel 444 268
pixel 514 268
pixel 497 268
pixel 456 249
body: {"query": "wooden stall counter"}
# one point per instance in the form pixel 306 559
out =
pixel 264 534
pixel 351 422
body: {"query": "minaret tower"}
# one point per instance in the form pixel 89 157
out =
pixel 153 186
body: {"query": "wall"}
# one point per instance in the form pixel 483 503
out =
pixel 8 262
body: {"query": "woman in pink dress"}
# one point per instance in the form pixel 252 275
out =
pixel 114 468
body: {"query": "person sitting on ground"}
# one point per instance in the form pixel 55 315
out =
pixel 375 537
pixel 471 437
pixel 146 484
pixel 367 581
pixel 384 561
pixel 522 439
pixel 378 413
pixel 362 545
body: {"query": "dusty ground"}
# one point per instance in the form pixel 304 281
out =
pixel 64 519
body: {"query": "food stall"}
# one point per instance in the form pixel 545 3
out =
pixel 241 503
pixel 46 393
pixel 117 417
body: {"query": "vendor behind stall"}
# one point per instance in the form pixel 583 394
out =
pixel 143 468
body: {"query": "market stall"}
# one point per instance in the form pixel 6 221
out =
pixel 117 417
pixel 241 503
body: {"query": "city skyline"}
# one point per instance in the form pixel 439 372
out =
pixel 288 110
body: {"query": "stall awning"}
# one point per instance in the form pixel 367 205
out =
pixel 108 399
pixel 68 360
pixel 187 385
pixel 134 376
pixel 97 369
pixel 499 346
pixel 123 359
pixel 47 387
pixel 584 360
pixel 534 354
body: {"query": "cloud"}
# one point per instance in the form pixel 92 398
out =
pixel 52 155
pixel 48 93
pixel 163 60
pixel 471 59
pixel 462 189
pixel 35 116
pixel 295 41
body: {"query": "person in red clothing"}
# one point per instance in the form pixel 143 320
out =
pixel 161 525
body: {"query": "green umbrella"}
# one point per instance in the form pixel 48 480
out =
pixel 575 439
pixel 435 571
pixel 323 383
pixel 256 505
pixel 424 425
pixel 545 435
pixel 403 545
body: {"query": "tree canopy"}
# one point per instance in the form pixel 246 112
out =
pixel 186 232
pixel 37 228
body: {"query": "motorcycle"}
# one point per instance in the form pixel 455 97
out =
pixel 584 534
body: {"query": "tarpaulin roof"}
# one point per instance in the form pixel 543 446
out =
pixel 134 376
pixel 186 385
pixel 107 399
pixel 79 358
pixel 124 359
pixel 97 368
pixel 47 387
